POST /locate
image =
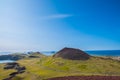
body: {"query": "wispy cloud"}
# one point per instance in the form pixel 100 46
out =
pixel 57 16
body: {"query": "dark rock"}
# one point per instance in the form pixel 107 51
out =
pixel 72 54
pixel 21 69
pixel 17 67
pixel 13 74
pixel 11 65
pixel 7 78
pixel 14 65
pixel 33 56
pixel 12 57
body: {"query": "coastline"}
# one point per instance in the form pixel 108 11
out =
pixel 6 61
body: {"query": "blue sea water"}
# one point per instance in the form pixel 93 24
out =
pixel 6 61
pixel 104 52
pixel 95 52
pixel 92 52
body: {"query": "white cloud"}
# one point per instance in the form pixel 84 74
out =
pixel 57 16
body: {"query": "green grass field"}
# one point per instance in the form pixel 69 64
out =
pixel 48 67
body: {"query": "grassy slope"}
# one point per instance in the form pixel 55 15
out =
pixel 4 73
pixel 47 67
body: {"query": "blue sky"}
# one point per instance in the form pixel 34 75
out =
pixel 41 25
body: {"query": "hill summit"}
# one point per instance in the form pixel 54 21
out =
pixel 72 54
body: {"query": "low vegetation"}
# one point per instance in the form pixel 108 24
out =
pixel 47 67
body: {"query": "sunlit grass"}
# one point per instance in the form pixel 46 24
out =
pixel 47 67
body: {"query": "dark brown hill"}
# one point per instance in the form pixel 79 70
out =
pixel 72 54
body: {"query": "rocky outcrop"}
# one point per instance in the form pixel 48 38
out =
pixel 72 54
pixel 19 69
pixel 19 56
pixel 35 55
pixel 11 65
pixel 12 57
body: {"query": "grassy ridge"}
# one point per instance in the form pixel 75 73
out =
pixel 47 67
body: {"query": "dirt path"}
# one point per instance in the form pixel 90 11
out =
pixel 87 78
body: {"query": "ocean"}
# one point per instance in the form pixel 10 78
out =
pixel 96 53
pixel 104 52
pixel 91 52
pixel 6 61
